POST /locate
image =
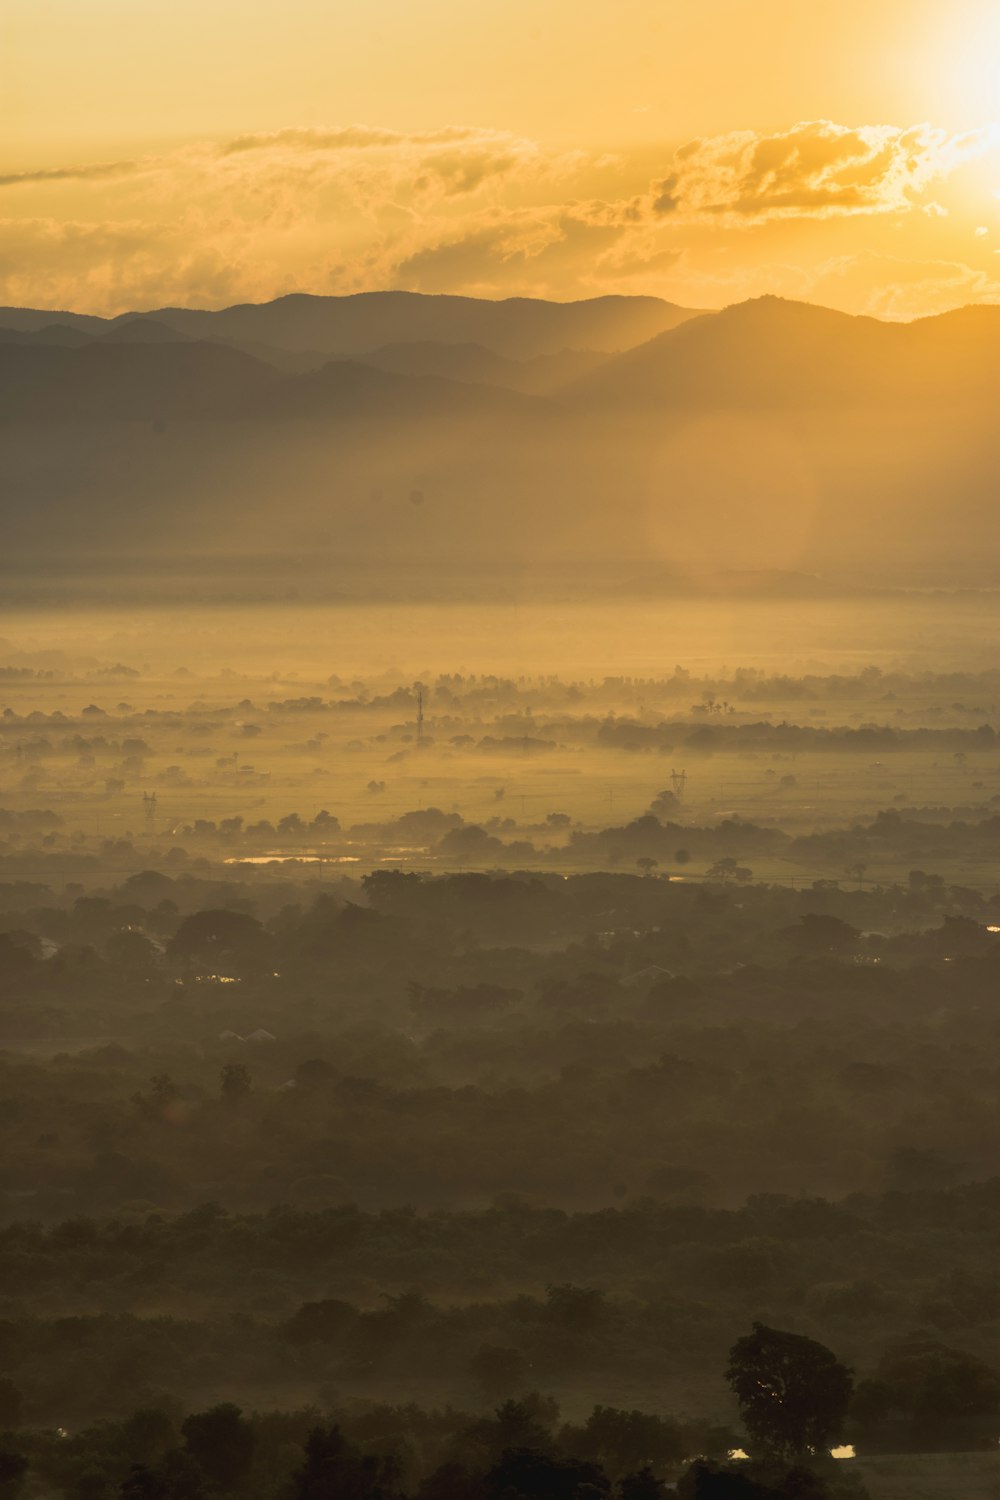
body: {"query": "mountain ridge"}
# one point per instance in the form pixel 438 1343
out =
pixel 353 324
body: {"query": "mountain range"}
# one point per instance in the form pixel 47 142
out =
pixel 518 327
pixel 767 353
pixel 620 433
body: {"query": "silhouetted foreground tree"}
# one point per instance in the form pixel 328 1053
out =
pixel 334 1469
pixel 222 1443
pixel 13 1468
pixel 534 1475
pixel 704 1481
pixel 793 1392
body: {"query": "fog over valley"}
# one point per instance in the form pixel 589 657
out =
pixel 630 442
pixel 499 751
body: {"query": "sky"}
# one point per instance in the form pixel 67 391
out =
pixel 205 152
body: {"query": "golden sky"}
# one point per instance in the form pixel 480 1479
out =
pixel 212 151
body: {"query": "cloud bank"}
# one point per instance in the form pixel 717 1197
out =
pixel 816 169
pixel 356 207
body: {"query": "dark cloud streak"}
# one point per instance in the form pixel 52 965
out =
pixel 94 172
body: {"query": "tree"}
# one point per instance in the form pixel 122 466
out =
pixel 793 1393
pixel 708 1481
pixel 577 1307
pixel 10 1405
pixel 936 1386
pixel 818 932
pixel 13 1468
pixel 334 1469
pixel 130 949
pixel 235 1082
pixel 626 1442
pixel 451 1481
pixel 221 1442
pixel 531 1475
pixel 642 1484
pixel 141 1483
pixel 524 1425
pixel 728 868
pixel 216 934
pixel 157 1104
pixel 326 1322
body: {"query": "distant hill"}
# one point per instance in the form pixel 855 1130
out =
pixel 772 353
pixel 125 381
pixel 18 336
pixel 350 389
pixel 543 375
pixel 114 380
pixel 66 335
pixel 774 442
pixel 518 327
pixel 60 334
pixel 765 355
pixel 142 330
pixel 31 319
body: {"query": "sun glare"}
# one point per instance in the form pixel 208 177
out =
pixel 973 66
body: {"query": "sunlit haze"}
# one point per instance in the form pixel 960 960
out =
pixel 499 750
pixel 203 154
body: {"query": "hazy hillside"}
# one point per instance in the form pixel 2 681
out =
pixel 117 378
pixel 774 353
pixel 349 388
pixel 768 439
pixel 142 330
pixel 31 319
pixel 109 381
pixel 519 327
pixel 543 375
pixel 60 334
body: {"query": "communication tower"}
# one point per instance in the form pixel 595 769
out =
pixel 149 811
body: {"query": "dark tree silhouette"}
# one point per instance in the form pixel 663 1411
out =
pixel 531 1475
pixel 793 1392
pixel 13 1468
pixel 215 933
pixel 642 1484
pixel 235 1082
pixel 221 1442
pixel 142 1483
pixel 334 1469
pixel 10 1404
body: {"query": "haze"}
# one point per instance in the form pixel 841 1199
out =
pixel 499 750
pixel 846 154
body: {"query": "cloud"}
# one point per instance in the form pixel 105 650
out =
pixel 814 170
pixel 457 160
pixel 355 138
pixel 94 172
pixel 482 211
pixel 540 252
pixel 889 286
pixel 109 267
